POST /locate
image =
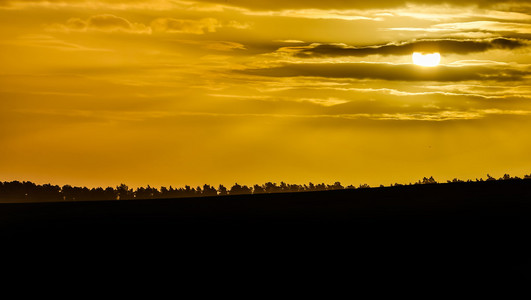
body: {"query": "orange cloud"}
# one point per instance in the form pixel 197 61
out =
pixel 171 25
pixel 106 23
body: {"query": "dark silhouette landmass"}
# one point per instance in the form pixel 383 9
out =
pixel 26 191
pixel 466 232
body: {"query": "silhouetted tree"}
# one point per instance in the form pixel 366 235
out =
pixel 222 190
pixel 96 194
pixel 198 191
pixel 146 193
pixel 209 190
pixel 239 189
pixel 258 189
pixel 124 192
pixel 110 193
pixel 455 180
pixel 270 187
pixel 295 188
pixel 68 193
pixel 336 186
pixel 320 187
pixel 188 191
pixel 430 180
pixel 506 177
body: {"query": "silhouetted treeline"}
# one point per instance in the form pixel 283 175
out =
pixel 16 191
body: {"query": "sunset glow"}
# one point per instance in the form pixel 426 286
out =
pixel 160 92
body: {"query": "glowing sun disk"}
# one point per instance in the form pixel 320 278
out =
pixel 426 60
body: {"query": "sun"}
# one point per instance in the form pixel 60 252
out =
pixel 426 60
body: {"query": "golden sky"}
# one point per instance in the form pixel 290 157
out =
pixel 162 92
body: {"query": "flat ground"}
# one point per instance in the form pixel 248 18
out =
pixel 466 232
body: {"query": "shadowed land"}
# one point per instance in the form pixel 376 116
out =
pixel 475 231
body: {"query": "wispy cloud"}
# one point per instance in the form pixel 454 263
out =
pixel 156 5
pixel 47 41
pixel 106 23
pixel 112 23
pixel 345 4
pixel 347 15
pixel 469 28
pixel 172 25
pixel 493 26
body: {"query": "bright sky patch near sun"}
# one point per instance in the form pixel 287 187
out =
pixel 426 60
pixel 159 92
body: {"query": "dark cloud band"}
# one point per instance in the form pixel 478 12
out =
pixel 428 46
pixel 384 71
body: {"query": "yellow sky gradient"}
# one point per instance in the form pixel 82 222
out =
pixel 160 92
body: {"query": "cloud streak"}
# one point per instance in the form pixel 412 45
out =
pixel 427 46
pixel 348 4
pixel 50 42
pixel 171 25
pixel 105 23
pixel 112 23
pixel 393 72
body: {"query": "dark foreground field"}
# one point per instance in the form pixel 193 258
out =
pixel 444 233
